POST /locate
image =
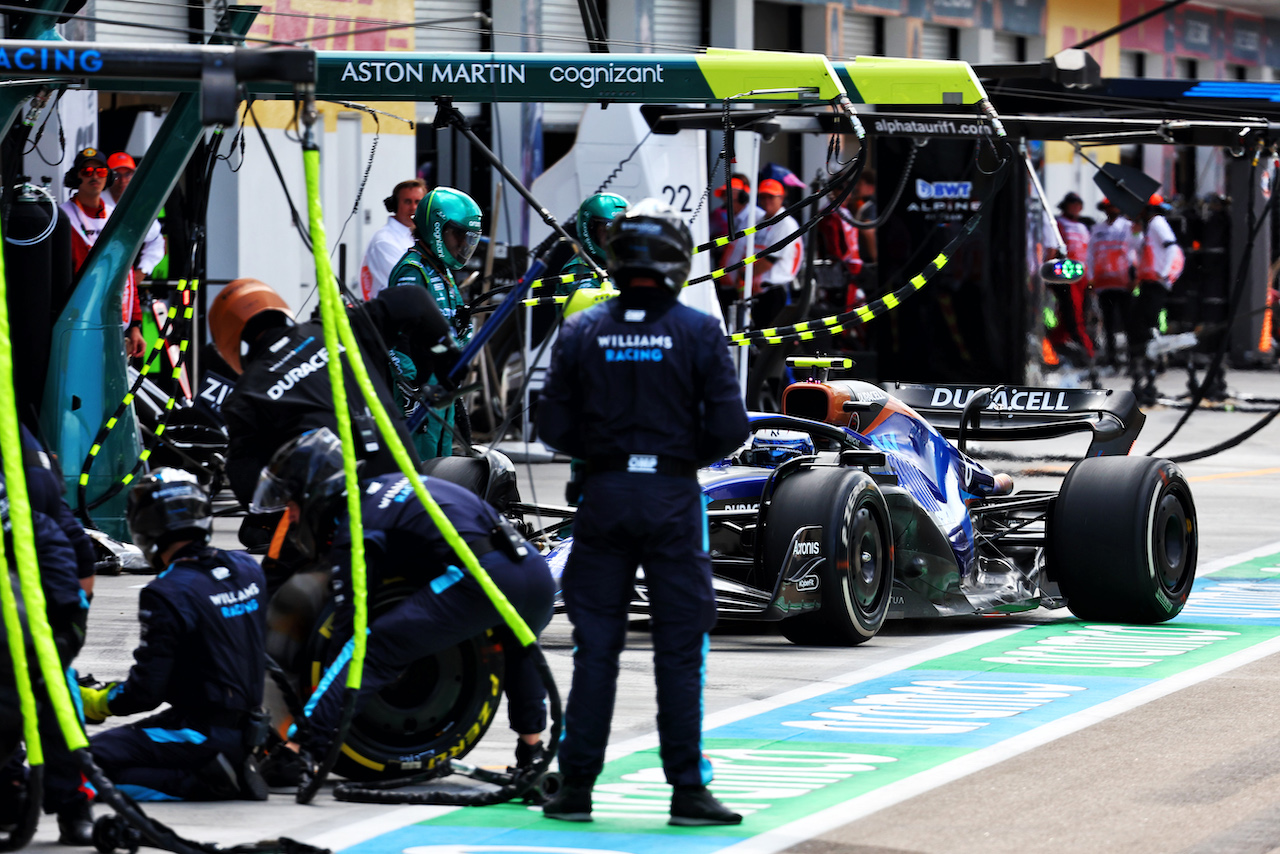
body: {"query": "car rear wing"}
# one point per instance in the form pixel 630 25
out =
pixel 1012 413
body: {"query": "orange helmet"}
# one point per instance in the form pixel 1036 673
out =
pixel 233 308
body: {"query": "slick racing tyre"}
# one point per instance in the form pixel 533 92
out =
pixel 857 544
pixel 439 708
pixel 491 476
pixel 1123 540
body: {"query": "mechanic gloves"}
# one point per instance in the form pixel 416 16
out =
pixel 94 701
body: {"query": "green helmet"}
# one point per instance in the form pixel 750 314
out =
pixel 598 210
pixel 446 208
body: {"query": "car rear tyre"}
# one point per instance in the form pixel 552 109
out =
pixel 1123 540
pixel 440 707
pixel 857 544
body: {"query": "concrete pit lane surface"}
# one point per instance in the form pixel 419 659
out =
pixel 1028 733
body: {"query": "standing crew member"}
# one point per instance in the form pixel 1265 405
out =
pixel 448 229
pixel 284 391
pixel 642 388
pixel 1159 264
pixel 305 480
pixel 772 276
pixel 390 242
pixel 88 211
pixel 202 652
pixel 1071 296
pixel 1108 268
pixel 592 222
pixel 737 209
pixel 153 249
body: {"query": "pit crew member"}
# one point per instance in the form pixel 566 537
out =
pixel 591 223
pixel 305 480
pixel 772 276
pixel 202 652
pixel 283 390
pixel 390 242
pixel 1108 268
pixel 88 210
pixel 448 229
pixel 66 558
pixel 642 388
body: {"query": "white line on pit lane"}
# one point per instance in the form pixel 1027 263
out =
pixel 860 807
pixel 362 831
pixel 894 793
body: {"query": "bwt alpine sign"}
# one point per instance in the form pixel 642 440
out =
pixel 943 201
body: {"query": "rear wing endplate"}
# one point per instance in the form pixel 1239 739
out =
pixel 1025 412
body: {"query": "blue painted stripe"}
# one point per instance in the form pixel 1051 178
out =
pixel 1232 89
pixel 142 793
pixel 445 580
pixel 330 675
pixel 706 530
pixel 76 701
pixel 704 764
pixel 174 736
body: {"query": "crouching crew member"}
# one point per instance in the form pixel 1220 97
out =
pixel 66 558
pixel 283 390
pixel 305 481
pixel 202 652
pixel 642 388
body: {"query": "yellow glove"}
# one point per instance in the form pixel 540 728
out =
pixel 94 701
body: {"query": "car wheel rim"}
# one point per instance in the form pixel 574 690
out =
pixel 865 561
pixel 1172 541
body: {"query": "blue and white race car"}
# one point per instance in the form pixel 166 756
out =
pixel 854 505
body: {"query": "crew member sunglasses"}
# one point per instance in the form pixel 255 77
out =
pixel 94 172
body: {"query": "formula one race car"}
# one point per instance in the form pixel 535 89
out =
pixel 852 506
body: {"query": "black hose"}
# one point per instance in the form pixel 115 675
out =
pixel 1237 299
pixel 25 829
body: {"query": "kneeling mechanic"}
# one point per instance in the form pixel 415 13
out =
pixel 305 480
pixel 202 652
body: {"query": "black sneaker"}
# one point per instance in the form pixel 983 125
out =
pixel 571 803
pixel 694 806
pixel 253 787
pixel 283 768
pixel 75 824
pixel 528 755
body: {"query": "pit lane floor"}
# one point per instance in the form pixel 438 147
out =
pixel 1192 770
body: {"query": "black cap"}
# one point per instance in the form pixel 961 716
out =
pixel 1070 198
pixel 87 155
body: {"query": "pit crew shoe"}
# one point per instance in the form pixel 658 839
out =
pixel 528 755
pixel 253 786
pixel 283 768
pixel 694 806
pixel 217 780
pixel 571 803
pixel 75 824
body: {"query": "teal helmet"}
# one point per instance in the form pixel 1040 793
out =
pixel 442 209
pixel 598 210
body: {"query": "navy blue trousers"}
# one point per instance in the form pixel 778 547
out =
pixel 156 759
pixel 626 521
pixel 436 617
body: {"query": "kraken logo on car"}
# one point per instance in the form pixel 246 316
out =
pixel 808 583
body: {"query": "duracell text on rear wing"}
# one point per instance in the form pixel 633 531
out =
pixel 1011 412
